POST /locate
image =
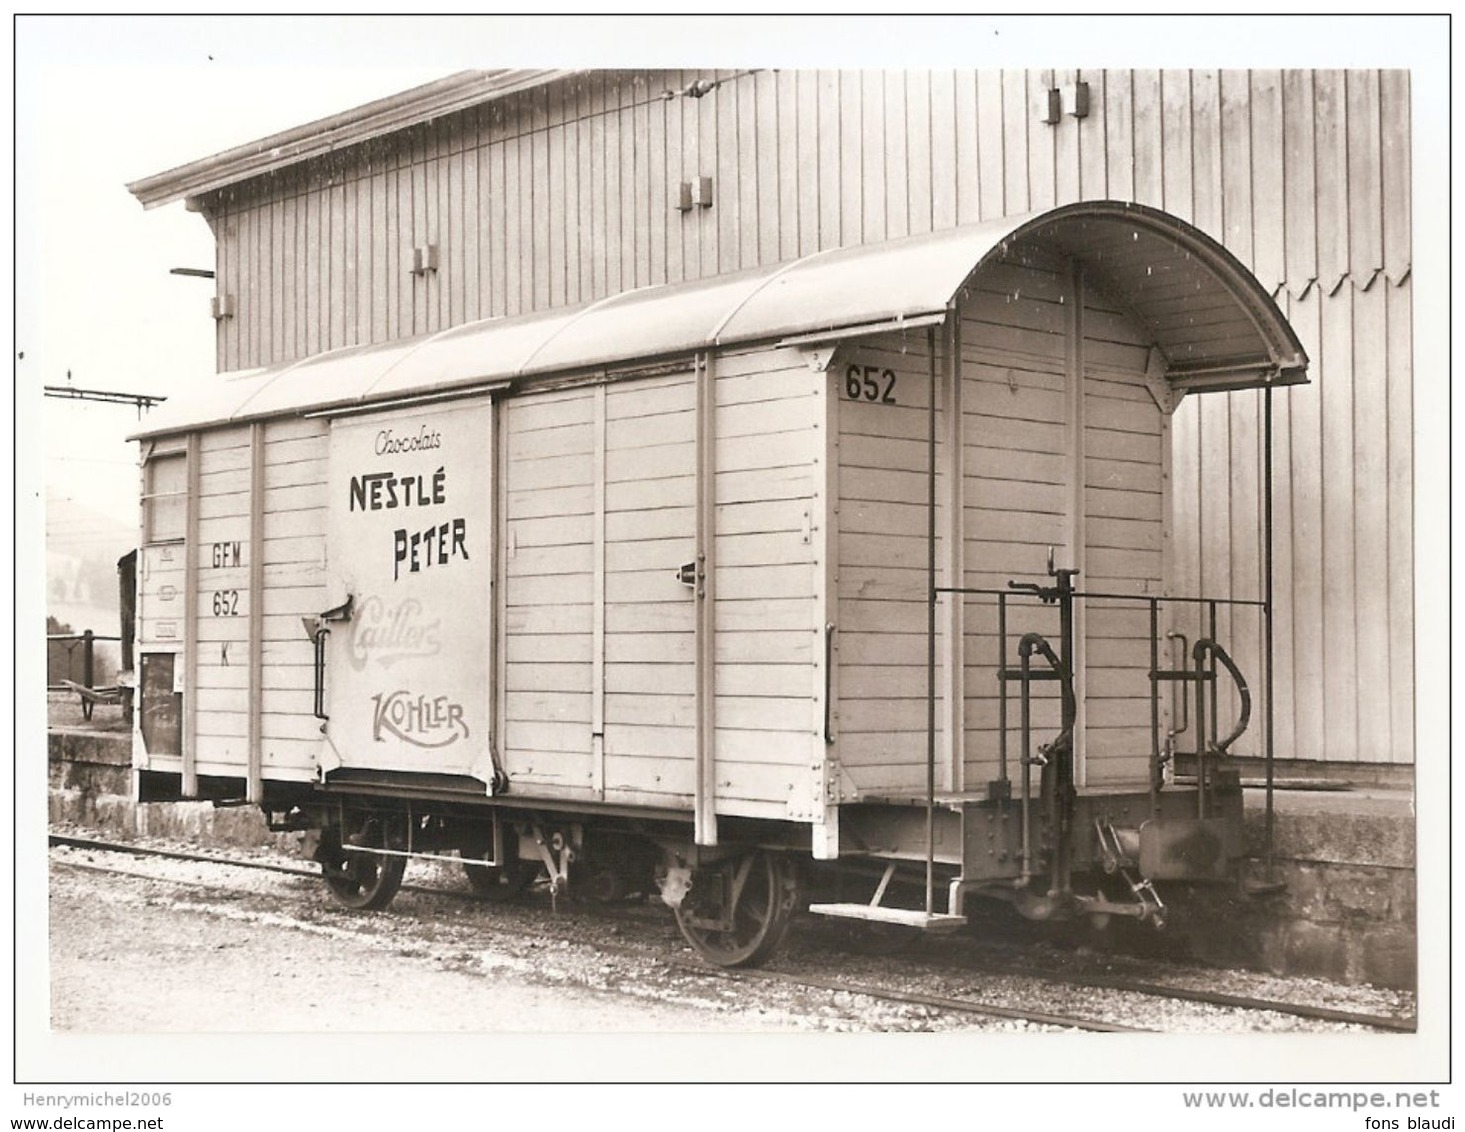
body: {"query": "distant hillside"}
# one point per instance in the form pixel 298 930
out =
pixel 82 549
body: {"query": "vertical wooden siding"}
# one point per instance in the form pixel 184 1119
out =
pixel 565 194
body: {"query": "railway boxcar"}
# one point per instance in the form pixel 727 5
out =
pixel 856 565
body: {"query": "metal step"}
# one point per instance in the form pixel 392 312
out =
pixel 909 917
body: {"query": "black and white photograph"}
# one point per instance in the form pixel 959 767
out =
pixel 717 551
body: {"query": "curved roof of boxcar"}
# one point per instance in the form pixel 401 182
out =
pixel 1214 325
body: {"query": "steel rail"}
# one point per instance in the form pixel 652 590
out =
pixel 937 1002
pixel 1237 1001
pixel 975 965
pixel 135 850
pixel 688 966
pixel 887 994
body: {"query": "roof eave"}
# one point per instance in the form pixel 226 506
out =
pixel 1287 370
pixel 351 127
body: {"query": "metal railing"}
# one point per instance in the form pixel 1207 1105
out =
pixel 87 640
pixel 1197 669
pixel 86 688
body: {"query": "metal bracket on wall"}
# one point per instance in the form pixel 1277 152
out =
pixel 819 358
pixel 1165 395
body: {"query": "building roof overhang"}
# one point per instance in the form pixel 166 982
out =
pixel 327 135
pixel 1212 324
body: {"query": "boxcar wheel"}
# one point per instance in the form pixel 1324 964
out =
pixel 365 881
pixel 738 910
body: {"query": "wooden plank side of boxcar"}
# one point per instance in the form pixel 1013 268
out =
pixel 883 386
pixel 768 501
pixel 600 635
pixel 1016 489
pixel 649 529
pixel 221 552
pixel 1125 527
pixel 163 558
pixel 548 583
pixel 1021 497
pixel 293 555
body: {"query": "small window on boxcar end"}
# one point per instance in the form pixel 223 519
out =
pixel 165 500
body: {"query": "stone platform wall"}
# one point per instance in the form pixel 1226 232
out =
pixel 91 786
pixel 1345 909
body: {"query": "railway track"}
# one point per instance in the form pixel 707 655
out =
pixel 621 915
pixel 685 966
